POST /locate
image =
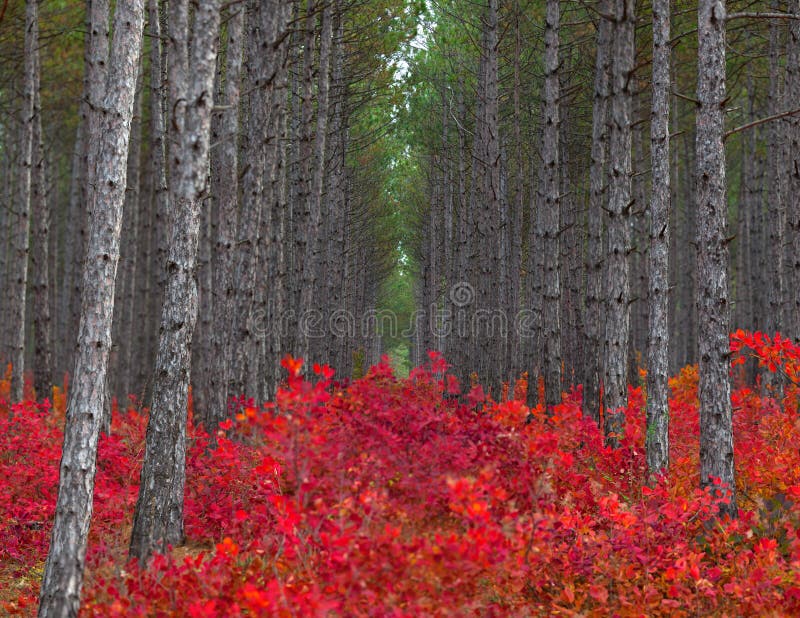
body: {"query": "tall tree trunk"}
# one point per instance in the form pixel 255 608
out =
pixel 227 205
pixel 126 290
pixel 63 574
pixel 265 71
pixel 311 255
pixel 716 421
pixel 776 210
pixel 517 205
pixel 486 205
pixel 657 435
pixel 597 196
pixel 550 202
pixel 793 205
pixel 688 258
pixel 9 184
pixel 95 71
pixel 159 221
pixel 158 519
pixel 40 262
pixel 18 281
pixel 615 368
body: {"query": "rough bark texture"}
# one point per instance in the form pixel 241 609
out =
pixel 597 196
pixel 158 223
pixel 550 202
pixel 716 426
pixel 40 262
pixel 158 519
pixel 311 255
pixel 776 207
pixel 227 206
pixel 18 280
pixel 128 254
pixel 793 197
pixel 63 575
pixel 487 207
pixel 657 435
pixel 615 368
pixel 95 71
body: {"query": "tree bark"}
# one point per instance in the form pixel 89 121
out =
pixel 94 82
pixel 657 434
pixel 40 262
pixel 597 195
pixel 550 202
pixel 227 206
pixel 18 281
pixel 158 519
pixel 311 254
pixel 159 221
pixel 63 574
pixel 618 227
pixel 793 206
pixel 776 208
pixel 716 424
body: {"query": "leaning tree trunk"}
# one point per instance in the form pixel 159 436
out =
pixel 18 281
pixel 551 205
pixel 657 435
pixel 597 195
pixel 63 574
pixel 615 370
pixel 158 519
pixel 95 72
pixel 716 421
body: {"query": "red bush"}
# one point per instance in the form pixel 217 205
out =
pixel 386 497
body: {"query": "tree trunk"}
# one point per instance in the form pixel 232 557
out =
pixel 550 202
pixel 119 367
pixel 716 426
pixel 657 435
pixel 18 280
pixel 158 519
pixel 159 222
pixel 40 262
pixel 793 205
pixel 227 206
pixel 776 210
pixel 95 61
pixel 311 254
pixel 63 574
pixel 618 231
pixel 597 196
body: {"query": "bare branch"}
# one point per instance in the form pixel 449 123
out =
pixel 755 123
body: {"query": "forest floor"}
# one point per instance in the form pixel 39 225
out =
pixel 386 497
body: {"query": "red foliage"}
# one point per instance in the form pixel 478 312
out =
pixel 388 497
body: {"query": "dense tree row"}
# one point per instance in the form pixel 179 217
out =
pixel 200 188
pixel 294 197
pixel 223 202
pixel 575 172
